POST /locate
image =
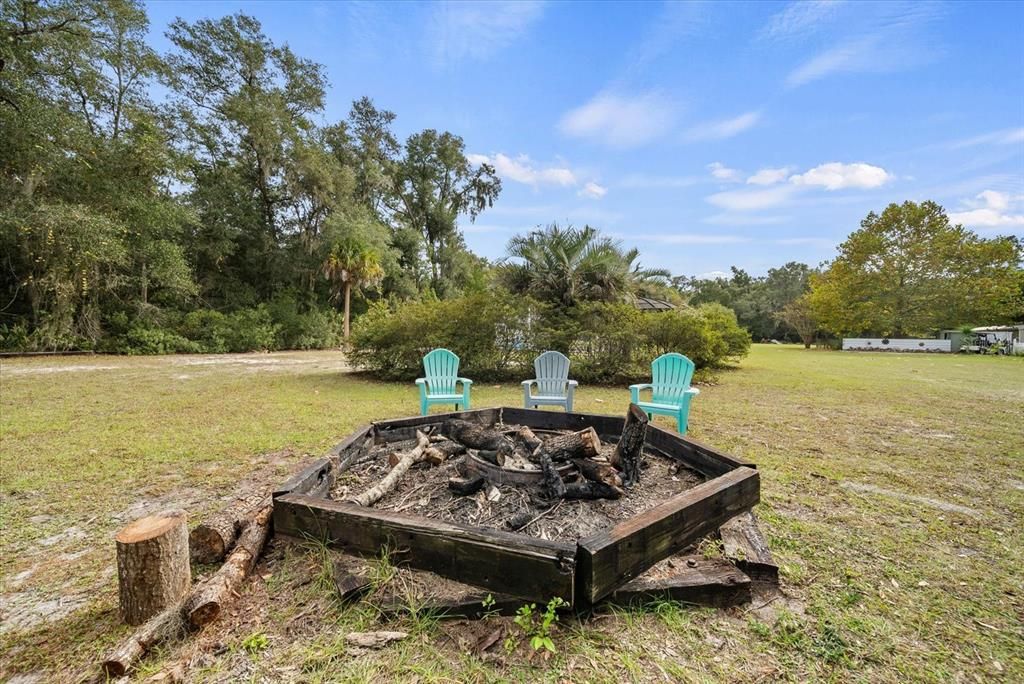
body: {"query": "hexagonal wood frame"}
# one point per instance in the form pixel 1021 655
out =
pixel 516 564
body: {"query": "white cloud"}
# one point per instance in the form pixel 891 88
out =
pixel 990 210
pixel 640 180
pixel 593 191
pixel 722 129
pixel 769 176
pixel 477 30
pixel 713 275
pixel 798 19
pixel 723 172
pixel 751 200
pixel 837 176
pixel 812 241
pixel 619 120
pixel 523 170
pixel 1007 136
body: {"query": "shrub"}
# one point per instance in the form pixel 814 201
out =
pixel 314 329
pixel 250 330
pixel 497 337
pixel 141 340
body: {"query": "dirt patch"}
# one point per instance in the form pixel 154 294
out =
pixel 24 610
pixel 933 503
pixel 424 491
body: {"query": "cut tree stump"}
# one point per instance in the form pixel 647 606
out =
pixel 583 444
pixel 213 538
pixel 204 603
pixel 152 565
pixel 629 451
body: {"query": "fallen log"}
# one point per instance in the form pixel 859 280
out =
pixel 166 625
pixel 598 471
pixel 153 571
pixel 440 452
pixel 213 538
pixel 477 436
pixel 582 444
pixel 204 603
pixel 374 493
pixel 629 451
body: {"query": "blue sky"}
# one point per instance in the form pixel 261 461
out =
pixel 705 134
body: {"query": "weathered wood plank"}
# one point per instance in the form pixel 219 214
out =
pixel 400 429
pixel 704 459
pixel 746 547
pixel 316 479
pixel 702 581
pixel 352 447
pixel 607 560
pixel 532 569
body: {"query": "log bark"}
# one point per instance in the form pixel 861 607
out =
pixel 629 451
pixel 582 444
pixel 477 436
pixel 205 602
pixel 551 483
pixel 598 471
pixel 374 493
pixel 438 453
pixel 213 538
pixel 152 565
pixel 166 625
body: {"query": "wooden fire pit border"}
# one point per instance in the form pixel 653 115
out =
pixel 507 562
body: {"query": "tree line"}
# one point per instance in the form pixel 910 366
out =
pixel 197 200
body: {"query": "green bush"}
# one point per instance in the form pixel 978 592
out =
pixel 497 336
pixel 140 340
pixel 314 329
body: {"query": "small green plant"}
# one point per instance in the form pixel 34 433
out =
pixel 255 642
pixel 536 626
pixel 488 605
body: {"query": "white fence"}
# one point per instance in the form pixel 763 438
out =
pixel 886 344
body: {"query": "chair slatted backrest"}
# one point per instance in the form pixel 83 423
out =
pixel 552 370
pixel 671 375
pixel 441 368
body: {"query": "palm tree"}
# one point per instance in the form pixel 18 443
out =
pixel 350 264
pixel 569 265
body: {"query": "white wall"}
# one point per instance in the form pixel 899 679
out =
pixel 907 345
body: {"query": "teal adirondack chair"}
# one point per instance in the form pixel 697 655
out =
pixel 670 390
pixel 554 388
pixel 442 370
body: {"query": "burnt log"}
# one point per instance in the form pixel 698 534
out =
pixel 592 490
pixel 629 451
pixel 465 486
pixel 477 436
pixel 551 481
pixel 582 444
pixel 598 471
pixel 153 568
pixel 439 452
pixel 349 586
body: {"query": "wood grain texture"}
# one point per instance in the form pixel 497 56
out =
pixel 533 569
pixel 609 559
pixel 747 548
pixel 700 581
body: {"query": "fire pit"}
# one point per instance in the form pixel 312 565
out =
pixel 564 504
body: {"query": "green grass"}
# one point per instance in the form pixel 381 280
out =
pixel 879 588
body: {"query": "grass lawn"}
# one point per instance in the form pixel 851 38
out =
pixel 892 496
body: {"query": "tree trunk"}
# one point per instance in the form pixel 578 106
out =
pixel 348 302
pixel 214 537
pixel 582 444
pixel 152 565
pixel 629 450
pixel 205 601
